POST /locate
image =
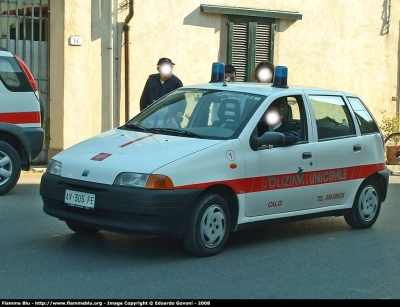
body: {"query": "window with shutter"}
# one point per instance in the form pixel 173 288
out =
pixel 250 35
pixel 249 43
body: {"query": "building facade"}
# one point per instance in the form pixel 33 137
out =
pixel 100 52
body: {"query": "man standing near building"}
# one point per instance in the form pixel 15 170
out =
pixel 230 72
pixel 160 84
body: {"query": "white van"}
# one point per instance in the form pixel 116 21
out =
pixel 21 118
pixel 216 168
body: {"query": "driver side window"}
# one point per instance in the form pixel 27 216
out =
pixel 295 115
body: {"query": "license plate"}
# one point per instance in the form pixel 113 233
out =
pixel 79 199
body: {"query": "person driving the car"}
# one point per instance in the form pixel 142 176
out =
pixel 276 119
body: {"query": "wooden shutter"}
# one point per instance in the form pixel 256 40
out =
pixel 263 42
pixel 249 43
pixel 239 49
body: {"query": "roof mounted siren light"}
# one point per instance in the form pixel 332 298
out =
pixel 217 72
pixel 280 77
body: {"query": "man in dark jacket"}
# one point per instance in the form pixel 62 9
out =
pixel 277 121
pixel 160 84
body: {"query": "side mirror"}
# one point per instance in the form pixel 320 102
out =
pixel 268 138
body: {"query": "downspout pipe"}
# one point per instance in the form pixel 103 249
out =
pixel 111 64
pixel 126 48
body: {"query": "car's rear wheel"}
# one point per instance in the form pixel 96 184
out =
pixel 80 229
pixel 10 167
pixel 366 207
pixel 208 228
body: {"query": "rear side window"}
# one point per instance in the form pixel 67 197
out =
pixel 332 116
pixel 12 76
pixel 364 118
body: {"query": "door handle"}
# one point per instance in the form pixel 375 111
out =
pixel 307 155
pixel 357 147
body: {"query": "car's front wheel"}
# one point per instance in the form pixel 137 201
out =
pixel 366 207
pixel 208 228
pixel 80 229
pixel 10 167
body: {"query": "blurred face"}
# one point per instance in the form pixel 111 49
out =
pixel 272 117
pixel 264 75
pixel 232 76
pixel 165 70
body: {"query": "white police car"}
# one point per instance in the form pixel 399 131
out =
pixel 195 165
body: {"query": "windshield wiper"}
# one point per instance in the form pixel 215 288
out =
pixel 178 132
pixel 161 130
pixel 137 128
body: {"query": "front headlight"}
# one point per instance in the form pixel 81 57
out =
pixel 131 180
pixel 54 167
pixel 137 180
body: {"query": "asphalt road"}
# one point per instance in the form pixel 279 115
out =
pixel 40 258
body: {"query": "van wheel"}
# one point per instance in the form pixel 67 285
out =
pixel 80 229
pixel 366 206
pixel 10 167
pixel 208 228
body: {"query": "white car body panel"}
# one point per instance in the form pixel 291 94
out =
pixel 129 152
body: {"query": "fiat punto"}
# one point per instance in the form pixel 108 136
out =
pixel 201 163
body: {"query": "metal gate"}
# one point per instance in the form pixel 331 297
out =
pixel 24 29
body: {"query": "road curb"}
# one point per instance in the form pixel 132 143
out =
pixel 37 169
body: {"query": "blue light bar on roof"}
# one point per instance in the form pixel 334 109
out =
pixel 218 72
pixel 280 77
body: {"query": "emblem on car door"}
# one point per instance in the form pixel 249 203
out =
pixel 300 174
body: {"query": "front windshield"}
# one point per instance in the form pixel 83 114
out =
pixel 203 113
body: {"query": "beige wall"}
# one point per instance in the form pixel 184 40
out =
pixel 79 75
pixel 338 44
pixel 56 100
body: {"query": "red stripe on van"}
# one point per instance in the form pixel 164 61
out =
pixel 137 140
pixel 20 118
pixel 293 180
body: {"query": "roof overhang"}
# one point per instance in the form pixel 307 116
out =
pixel 243 11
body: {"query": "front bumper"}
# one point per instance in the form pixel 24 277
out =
pixel 121 209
